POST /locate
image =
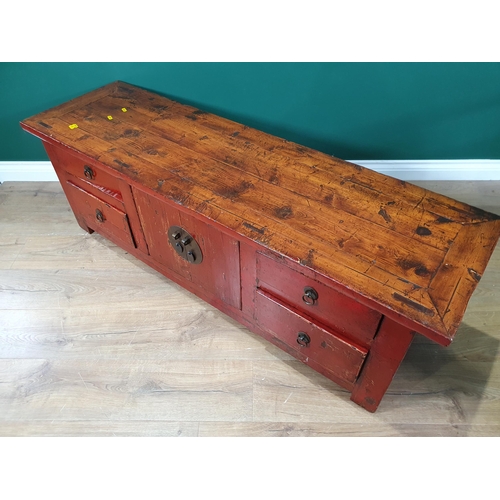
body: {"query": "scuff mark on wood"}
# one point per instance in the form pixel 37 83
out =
pixel 309 260
pixel 253 228
pixel 423 231
pixel 362 184
pixel 131 133
pixel 122 164
pixel 83 138
pixel 328 198
pixel 273 178
pixel 418 267
pixel 283 212
pixel 422 271
pixel 236 191
pixel 158 108
pixel 126 89
pixel 413 305
pixel 474 274
pixel 443 220
pixel 407 264
pixel 385 215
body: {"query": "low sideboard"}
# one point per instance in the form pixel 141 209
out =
pixel 336 264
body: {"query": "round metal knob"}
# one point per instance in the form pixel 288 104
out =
pixel 303 339
pixel 176 235
pixel 88 172
pixel 99 216
pixel 310 296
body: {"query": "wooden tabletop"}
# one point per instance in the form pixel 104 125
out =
pixel 414 253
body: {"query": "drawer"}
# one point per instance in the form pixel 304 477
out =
pixel 317 300
pixel 99 215
pixel 87 176
pixel 329 349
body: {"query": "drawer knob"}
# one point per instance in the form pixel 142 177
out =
pixel 99 216
pixel 303 339
pixel 310 296
pixel 88 172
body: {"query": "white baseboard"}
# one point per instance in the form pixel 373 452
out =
pixel 436 170
pixel 27 171
pixel 406 170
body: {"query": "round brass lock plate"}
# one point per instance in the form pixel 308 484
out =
pixel 185 245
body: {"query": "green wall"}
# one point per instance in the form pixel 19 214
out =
pixel 355 111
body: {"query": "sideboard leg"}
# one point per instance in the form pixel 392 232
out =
pixel 81 223
pixel 386 353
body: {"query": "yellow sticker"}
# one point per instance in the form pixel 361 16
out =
pixel 124 110
pixel 72 126
pixel 110 117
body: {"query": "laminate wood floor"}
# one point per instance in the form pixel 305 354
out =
pixel 95 343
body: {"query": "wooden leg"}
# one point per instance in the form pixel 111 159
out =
pixel 386 353
pixel 83 225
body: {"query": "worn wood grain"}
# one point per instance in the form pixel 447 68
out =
pixel 383 238
pixel 182 329
pixel 41 389
pixel 99 428
pixel 57 319
pixel 318 429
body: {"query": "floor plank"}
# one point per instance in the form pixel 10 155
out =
pixel 41 389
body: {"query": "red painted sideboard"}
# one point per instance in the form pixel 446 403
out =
pixel 336 264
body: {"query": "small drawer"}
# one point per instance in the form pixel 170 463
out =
pixel 95 179
pixel 99 215
pixel 317 300
pixel 336 354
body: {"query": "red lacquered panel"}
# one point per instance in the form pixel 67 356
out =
pixel 330 350
pixel 323 303
pixel 99 215
pixel 218 274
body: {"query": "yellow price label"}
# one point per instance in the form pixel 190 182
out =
pixel 110 117
pixel 72 126
pixel 124 110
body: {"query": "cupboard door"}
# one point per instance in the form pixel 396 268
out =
pixel 218 273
